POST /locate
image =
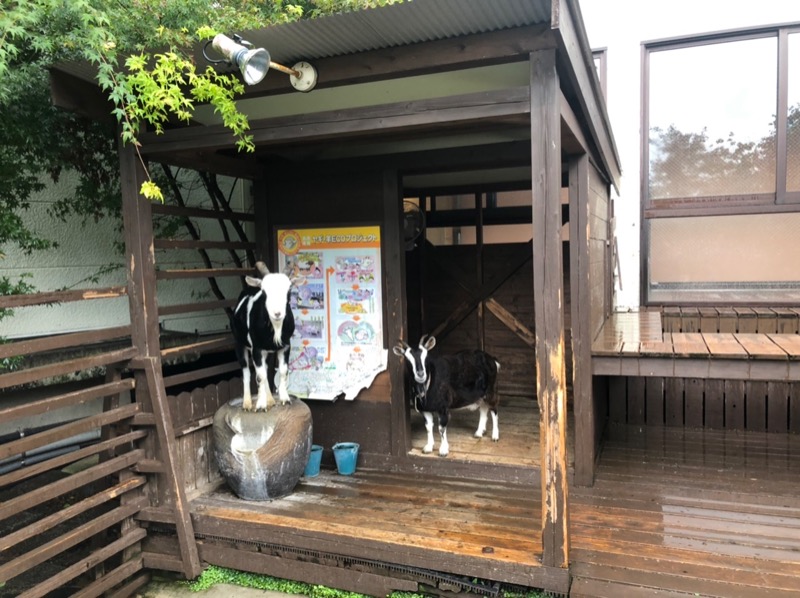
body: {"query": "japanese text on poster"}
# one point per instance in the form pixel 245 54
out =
pixel 337 347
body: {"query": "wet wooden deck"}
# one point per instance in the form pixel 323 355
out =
pixel 678 512
pixel 672 512
pixel 633 344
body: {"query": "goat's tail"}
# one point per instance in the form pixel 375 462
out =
pixel 497 364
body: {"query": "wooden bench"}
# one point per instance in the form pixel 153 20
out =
pixel 634 344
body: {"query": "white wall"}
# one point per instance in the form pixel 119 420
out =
pixel 87 246
pixel 621 26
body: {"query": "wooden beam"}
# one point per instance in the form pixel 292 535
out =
pixel 416 115
pixel 512 323
pixel 418 59
pixel 579 72
pixel 140 254
pixel 549 300
pixel 76 95
pixel 580 302
pixel 478 295
pixel 173 473
pixel 395 304
pixel 244 166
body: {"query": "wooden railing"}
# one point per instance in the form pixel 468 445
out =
pixel 68 490
pixel 741 379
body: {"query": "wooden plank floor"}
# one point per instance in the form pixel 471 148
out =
pixel 480 529
pixel 673 513
pixel 678 512
pixel 518 419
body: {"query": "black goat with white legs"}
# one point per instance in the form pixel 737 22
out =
pixel 262 323
pixel 463 380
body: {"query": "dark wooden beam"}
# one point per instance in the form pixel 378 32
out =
pixel 440 160
pixel 418 59
pixel 79 96
pixel 580 302
pixel 576 71
pixel 435 113
pixel 395 315
pixel 244 166
pixel 549 300
pixel 140 254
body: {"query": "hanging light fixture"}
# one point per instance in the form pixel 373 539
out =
pixel 254 63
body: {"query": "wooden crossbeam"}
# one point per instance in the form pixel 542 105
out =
pixel 482 293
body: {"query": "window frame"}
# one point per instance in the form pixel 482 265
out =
pixel 780 201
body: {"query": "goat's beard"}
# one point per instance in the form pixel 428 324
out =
pixel 277 326
pixel 419 395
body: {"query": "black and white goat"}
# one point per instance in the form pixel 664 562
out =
pixel 463 380
pixel 263 323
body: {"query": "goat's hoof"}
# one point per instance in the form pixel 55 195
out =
pixel 479 434
pixel 496 439
pixel 427 449
pixel 443 454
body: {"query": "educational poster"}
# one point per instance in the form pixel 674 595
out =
pixel 337 347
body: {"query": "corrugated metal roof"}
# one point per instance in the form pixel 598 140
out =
pixel 409 22
pixel 390 26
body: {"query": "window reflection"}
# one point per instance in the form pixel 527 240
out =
pixel 712 119
pixel 719 258
pixel 793 129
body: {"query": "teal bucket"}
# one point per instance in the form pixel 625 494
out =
pixel 314 459
pixel 346 454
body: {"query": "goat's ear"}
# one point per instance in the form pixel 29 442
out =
pixel 399 350
pixel 252 281
pixel 429 344
pixel 262 268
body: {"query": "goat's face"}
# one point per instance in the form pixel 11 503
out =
pixel 417 359
pixel 276 290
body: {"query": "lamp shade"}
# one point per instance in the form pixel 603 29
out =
pixel 253 64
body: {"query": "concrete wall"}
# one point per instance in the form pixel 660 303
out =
pixel 622 26
pixel 86 247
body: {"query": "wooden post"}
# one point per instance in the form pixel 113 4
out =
pixel 140 256
pixel 580 305
pixel 137 219
pixel 479 267
pixel 394 268
pixel 549 301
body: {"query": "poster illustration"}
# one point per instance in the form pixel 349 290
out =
pixel 337 347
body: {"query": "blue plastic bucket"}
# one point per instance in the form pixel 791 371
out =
pixel 345 454
pixel 314 459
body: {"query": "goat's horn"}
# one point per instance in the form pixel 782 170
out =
pixel 262 268
pixel 423 339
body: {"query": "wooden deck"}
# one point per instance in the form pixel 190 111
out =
pixel 673 512
pixel 518 419
pixel 689 512
pixel 633 344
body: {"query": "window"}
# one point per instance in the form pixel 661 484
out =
pixel 600 59
pixel 721 168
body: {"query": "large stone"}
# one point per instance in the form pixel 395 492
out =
pixel 261 454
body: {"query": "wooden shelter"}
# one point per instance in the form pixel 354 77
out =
pixel 422 100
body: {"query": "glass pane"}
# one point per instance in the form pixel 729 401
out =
pixel 718 258
pixel 793 136
pixel 712 112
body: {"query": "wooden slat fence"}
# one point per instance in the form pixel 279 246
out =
pixel 68 489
